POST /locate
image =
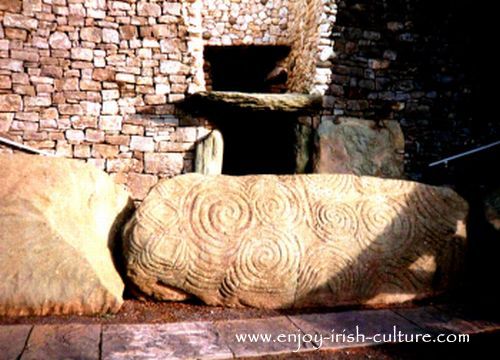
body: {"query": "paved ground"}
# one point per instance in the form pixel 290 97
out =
pixel 217 339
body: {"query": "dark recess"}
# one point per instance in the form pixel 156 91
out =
pixel 246 68
pixel 257 143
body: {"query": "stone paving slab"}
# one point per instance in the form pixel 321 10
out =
pixel 167 341
pixel 277 329
pixel 217 340
pixel 73 341
pixel 367 323
pixel 460 321
pixel 433 319
pixel 12 340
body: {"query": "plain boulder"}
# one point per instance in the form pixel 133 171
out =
pixel 58 221
pixel 293 241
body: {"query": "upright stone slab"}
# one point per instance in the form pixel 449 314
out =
pixel 209 154
pixel 492 209
pixel 359 147
pixel 58 222
pixel 291 241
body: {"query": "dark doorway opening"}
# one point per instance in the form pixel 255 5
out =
pixel 257 143
pixel 246 68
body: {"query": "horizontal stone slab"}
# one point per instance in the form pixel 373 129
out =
pixel 290 102
pixel 169 341
pixel 75 341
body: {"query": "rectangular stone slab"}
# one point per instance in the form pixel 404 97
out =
pixel 12 340
pixel 168 341
pixel 75 341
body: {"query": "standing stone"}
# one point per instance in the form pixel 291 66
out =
pixel 209 154
pixel 292 241
pixel 58 221
pixel 492 209
pixel 304 138
pixel 360 147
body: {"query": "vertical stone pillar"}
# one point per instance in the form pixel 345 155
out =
pixel 209 154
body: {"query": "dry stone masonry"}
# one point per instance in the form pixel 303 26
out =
pixel 292 241
pixel 101 80
pixel 98 80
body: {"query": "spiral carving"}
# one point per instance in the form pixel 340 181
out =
pixel 267 262
pixel 281 241
pixel 275 203
pixel 387 226
pixel 339 186
pixel 338 276
pixel 218 212
pixel 335 221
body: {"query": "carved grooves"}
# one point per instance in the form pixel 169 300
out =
pixel 275 240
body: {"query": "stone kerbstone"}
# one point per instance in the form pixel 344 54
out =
pixel 59 219
pixel 360 147
pixel 292 241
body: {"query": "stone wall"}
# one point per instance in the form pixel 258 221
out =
pixel 251 22
pixel 311 46
pixel 412 61
pixel 97 80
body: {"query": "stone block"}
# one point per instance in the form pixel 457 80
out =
pixel 360 147
pixel 10 103
pixel 294 241
pixel 166 164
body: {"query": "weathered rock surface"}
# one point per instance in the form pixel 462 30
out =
pixel 209 154
pixel 360 147
pixel 291 241
pixel 492 209
pixel 289 102
pixel 58 221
